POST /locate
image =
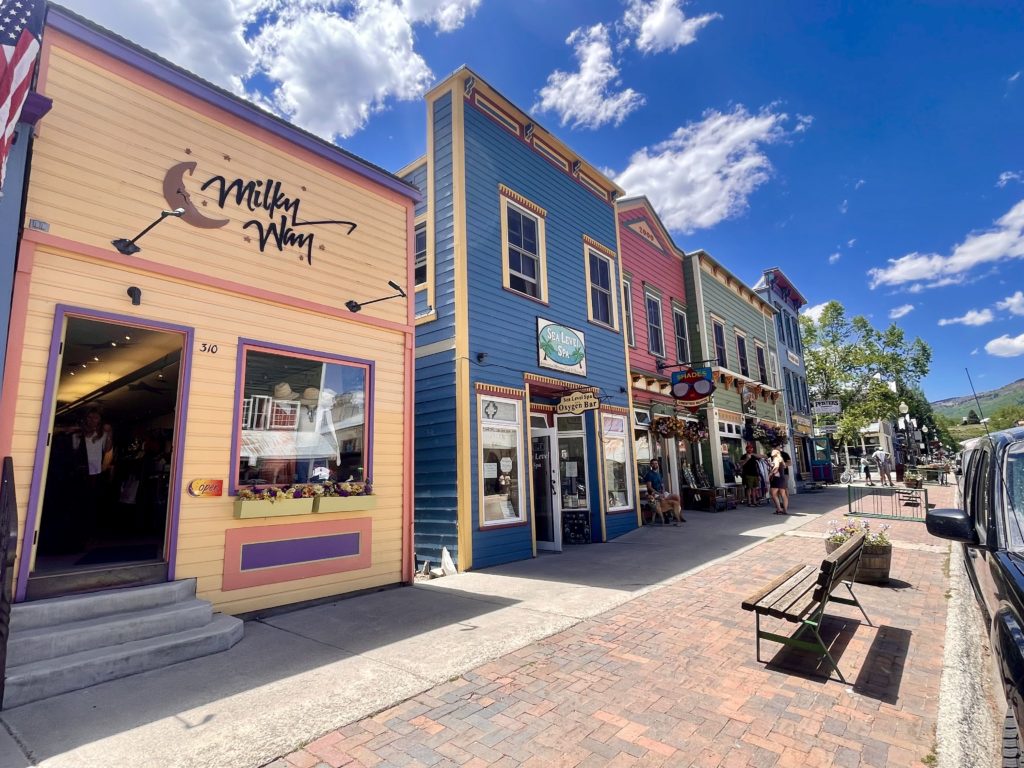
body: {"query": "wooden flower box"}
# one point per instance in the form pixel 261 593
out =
pixel 325 504
pixel 247 508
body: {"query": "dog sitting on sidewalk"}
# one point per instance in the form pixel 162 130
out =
pixel 659 506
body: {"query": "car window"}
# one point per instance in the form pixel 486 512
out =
pixel 1013 474
pixel 977 500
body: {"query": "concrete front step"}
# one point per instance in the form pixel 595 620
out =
pixel 65 610
pixel 49 642
pixel 50 677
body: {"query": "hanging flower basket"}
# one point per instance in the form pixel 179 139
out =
pixel 670 426
pixel 772 435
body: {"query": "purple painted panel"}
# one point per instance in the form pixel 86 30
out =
pixel 61 312
pixel 271 554
pixel 243 345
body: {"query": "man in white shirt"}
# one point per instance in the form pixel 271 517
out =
pixel 881 458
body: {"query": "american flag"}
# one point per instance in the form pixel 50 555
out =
pixel 21 24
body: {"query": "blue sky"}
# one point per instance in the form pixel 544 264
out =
pixel 872 150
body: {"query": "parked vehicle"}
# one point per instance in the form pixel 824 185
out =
pixel 989 522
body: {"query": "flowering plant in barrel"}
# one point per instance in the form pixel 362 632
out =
pixel 876 557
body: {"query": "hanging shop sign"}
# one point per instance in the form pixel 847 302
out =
pixel 827 429
pixel 561 348
pixel 826 406
pixel 577 403
pixel 692 387
pixel 278 224
pixel 749 401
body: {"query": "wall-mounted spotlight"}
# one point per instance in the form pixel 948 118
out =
pixel 136 295
pixel 128 247
pixel 355 306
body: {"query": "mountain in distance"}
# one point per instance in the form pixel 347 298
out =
pixel 958 407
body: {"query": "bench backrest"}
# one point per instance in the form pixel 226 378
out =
pixel 839 566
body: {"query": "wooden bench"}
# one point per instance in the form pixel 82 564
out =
pixel 800 596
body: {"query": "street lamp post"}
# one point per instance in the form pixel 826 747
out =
pixel 905 420
pixel 924 433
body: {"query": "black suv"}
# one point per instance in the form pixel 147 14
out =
pixel 990 524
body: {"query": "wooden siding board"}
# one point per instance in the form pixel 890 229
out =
pixel 503 323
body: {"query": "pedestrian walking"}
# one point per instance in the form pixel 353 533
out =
pixel 750 472
pixel 881 457
pixel 865 469
pixel 777 480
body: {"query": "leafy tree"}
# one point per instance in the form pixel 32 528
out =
pixel 1006 416
pixel 972 417
pixel 870 371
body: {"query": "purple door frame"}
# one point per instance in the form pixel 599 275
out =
pixel 61 313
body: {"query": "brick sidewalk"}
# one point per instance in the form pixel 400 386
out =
pixel 670 679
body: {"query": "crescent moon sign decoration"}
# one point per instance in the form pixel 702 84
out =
pixel 177 197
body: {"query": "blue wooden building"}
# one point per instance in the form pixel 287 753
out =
pixel 523 428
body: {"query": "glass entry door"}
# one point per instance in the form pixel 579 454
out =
pixel 108 475
pixel 547 508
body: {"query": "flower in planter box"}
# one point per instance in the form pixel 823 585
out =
pixel 839 534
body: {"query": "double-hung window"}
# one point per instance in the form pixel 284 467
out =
pixel 522 239
pixel 719 333
pixel 627 303
pixel 762 369
pixel 741 350
pixel 421 253
pixel 600 276
pixel 655 332
pixel 682 346
pixel 780 324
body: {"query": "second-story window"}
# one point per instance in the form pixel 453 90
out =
pixel 789 332
pixel 789 389
pixel 421 253
pixel 602 297
pixel 719 333
pixel 627 303
pixel 524 269
pixel 682 347
pixel 655 333
pixel 780 324
pixel 741 350
pixel 523 253
pixel 762 368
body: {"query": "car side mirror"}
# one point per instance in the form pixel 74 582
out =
pixel 953 524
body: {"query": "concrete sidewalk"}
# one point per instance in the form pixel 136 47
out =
pixel 296 676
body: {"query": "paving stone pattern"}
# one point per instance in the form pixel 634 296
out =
pixel 670 679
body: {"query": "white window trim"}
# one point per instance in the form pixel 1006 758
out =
pixel 518 424
pixel 741 359
pixel 682 355
pixel 764 355
pixel 612 298
pixel 627 300
pixel 648 295
pixel 542 269
pixel 627 437
pixel 714 343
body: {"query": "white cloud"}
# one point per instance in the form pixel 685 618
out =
pixel 974 351
pixel 705 171
pixel 1002 242
pixel 844 206
pixel 851 242
pixel 1014 303
pixel 834 258
pixel 901 311
pixel 585 98
pixel 1014 77
pixel 973 317
pixel 1006 346
pixel 815 312
pixel 860 183
pixel 661 25
pixel 447 15
pixel 205 38
pixel 330 64
pixel 1007 176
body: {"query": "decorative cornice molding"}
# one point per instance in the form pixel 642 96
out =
pixel 518 199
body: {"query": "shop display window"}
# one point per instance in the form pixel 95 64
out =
pixel 299 414
pixel 501 470
pixel 616 462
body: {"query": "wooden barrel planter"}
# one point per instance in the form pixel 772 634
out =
pixel 875 562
